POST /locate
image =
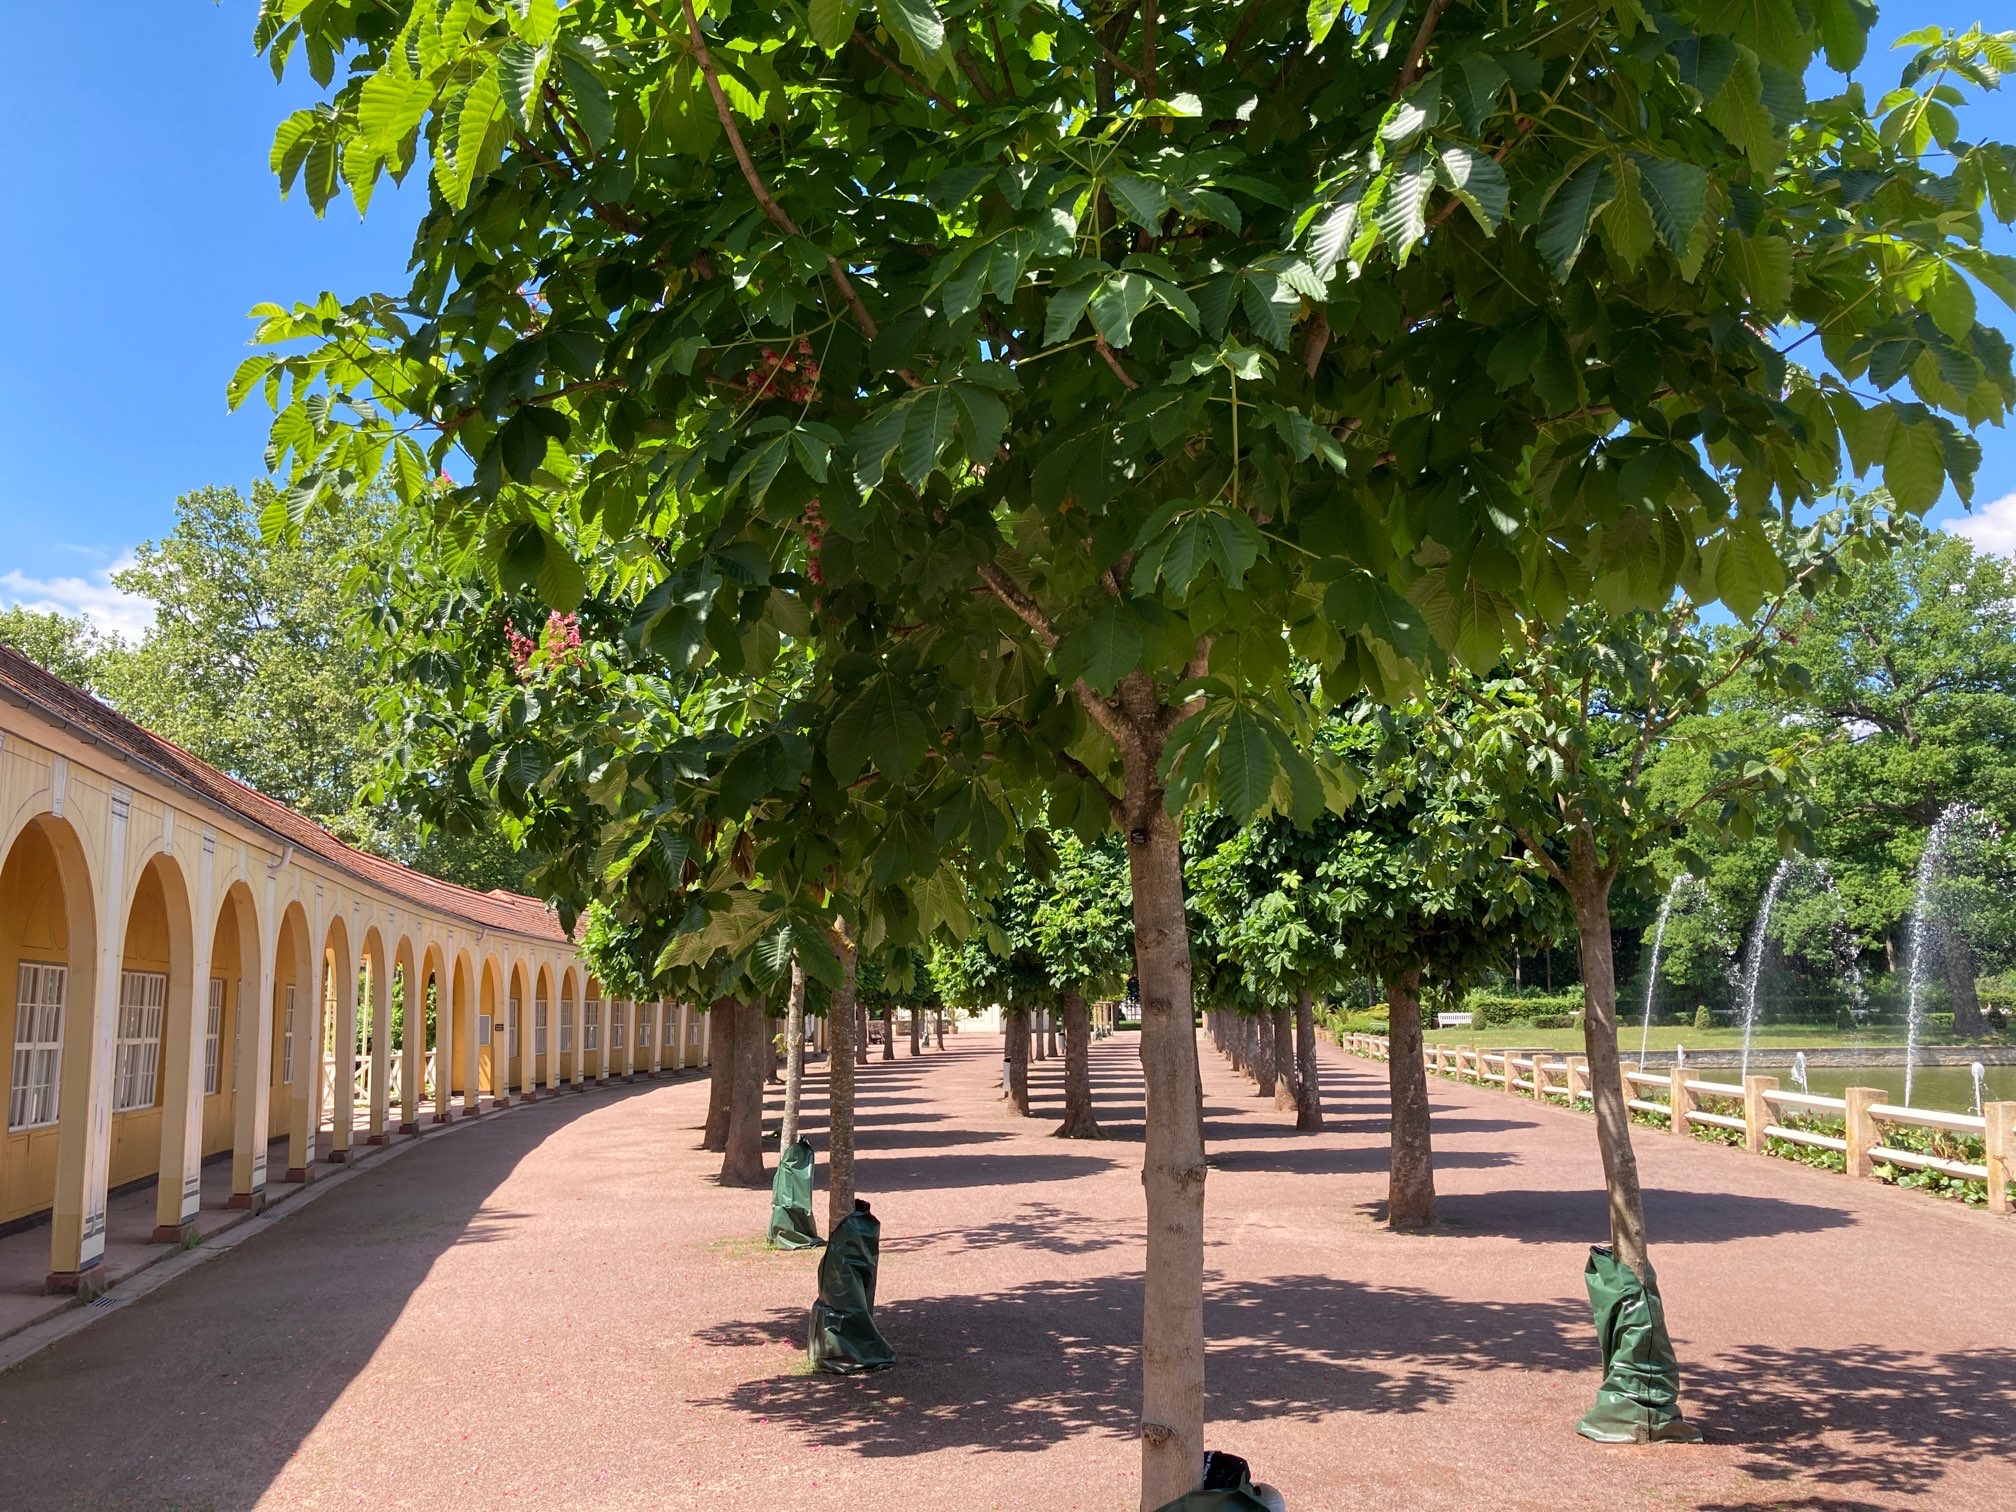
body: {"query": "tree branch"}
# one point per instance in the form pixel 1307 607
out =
pixel 1025 608
pixel 1079 770
pixel 1148 21
pixel 861 41
pixel 757 187
pixel 1411 69
pixel 1113 362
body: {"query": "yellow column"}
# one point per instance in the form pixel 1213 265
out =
pixel 304 1111
pixel 343 1110
pixel 84 1099
pixel 508 1014
pixel 706 1036
pixel 628 1060
pixel 381 1049
pixel 552 1045
pixel 412 1048
pixel 178 1191
pixel 444 1046
pixel 255 1049
pixel 467 1050
pixel 679 1037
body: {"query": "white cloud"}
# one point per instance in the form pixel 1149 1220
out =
pixel 126 615
pixel 1992 527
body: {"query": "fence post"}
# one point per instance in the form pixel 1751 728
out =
pixel 1539 1077
pixel 2001 1142
pixel 1679 1102
pixel 1861 1131
pixel 1625 1071
pixel 1477 1061
pixel 1578 1080
pixel 1756 1111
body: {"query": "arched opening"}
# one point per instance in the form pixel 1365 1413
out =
pixel 544 1036
pixel 463 1084
pixel 518 1036
pixel 373 1055
pixel 339 1041
pixel 491 1031
pixel 291 1064
pixel 48 954
pixel 228 994
pixel 439 1023
pixel 595 1031
pixel 409 1033
pixel 570 1045
pixel 152 1012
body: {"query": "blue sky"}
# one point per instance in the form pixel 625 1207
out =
pixel 147 224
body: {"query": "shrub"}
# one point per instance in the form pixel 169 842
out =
pixel 1555 1020
pixel 1503 1010
pixel 1703 1019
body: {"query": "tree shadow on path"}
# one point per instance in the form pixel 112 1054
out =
pixel 1572 1216
pixel 1015 1370
pixel 1892 1420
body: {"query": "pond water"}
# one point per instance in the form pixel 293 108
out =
pixel 1947 1087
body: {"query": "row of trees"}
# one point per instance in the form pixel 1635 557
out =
pixel 1000 420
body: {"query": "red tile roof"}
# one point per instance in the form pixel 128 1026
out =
pixel 22 681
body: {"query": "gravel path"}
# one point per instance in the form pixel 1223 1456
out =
pixel 557 1309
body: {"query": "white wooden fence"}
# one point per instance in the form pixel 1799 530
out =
pixel 1766 1107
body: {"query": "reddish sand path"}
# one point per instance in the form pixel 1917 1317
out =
pixel 558 1310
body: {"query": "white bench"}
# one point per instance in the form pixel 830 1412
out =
pixel 1455 1021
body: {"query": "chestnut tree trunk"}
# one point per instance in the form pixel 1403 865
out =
pixel 742 1160
pixel 841 1025
pixel 794 1057
pixel 1018 1059
pixel 1285 1069
pixel 1410 1190
pixel 720 1075
pixel 1080 1122
pixel 1308 1084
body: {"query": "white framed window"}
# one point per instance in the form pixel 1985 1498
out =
pixel 287 1038
pixel 591 1024
pixel 566 1025
pixel 136 1054
pixel 39 992
pixel 538 1026
pixel 618 1016
pixel 644 1017
pixel 213 1036
pixel 483 1030
pixel 517 1018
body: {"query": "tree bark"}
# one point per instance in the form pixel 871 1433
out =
pixel 889 1032
pixel 1036 1018
pixel 1080 1121
pixel 794 1057
pixel 1173 1169
pixel 938 1026
pixel 773 1062
pixel 860 1033
pixel 916 1031
pixel 1958 958
pixel 1308 1083
pixel 1410 1187
pixel 1018 1059
pixel 1285 1069
pixel 1589 892
pixel 742 1161
pixel 720 1078
pixel 841 1024
pixel 1050 1031
pixel 1265 1068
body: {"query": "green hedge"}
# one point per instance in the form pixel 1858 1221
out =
pixel 1534 1010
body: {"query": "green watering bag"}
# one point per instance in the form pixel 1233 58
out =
pixel 791 1225
pixel 844 1338
pixel 1639 1400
